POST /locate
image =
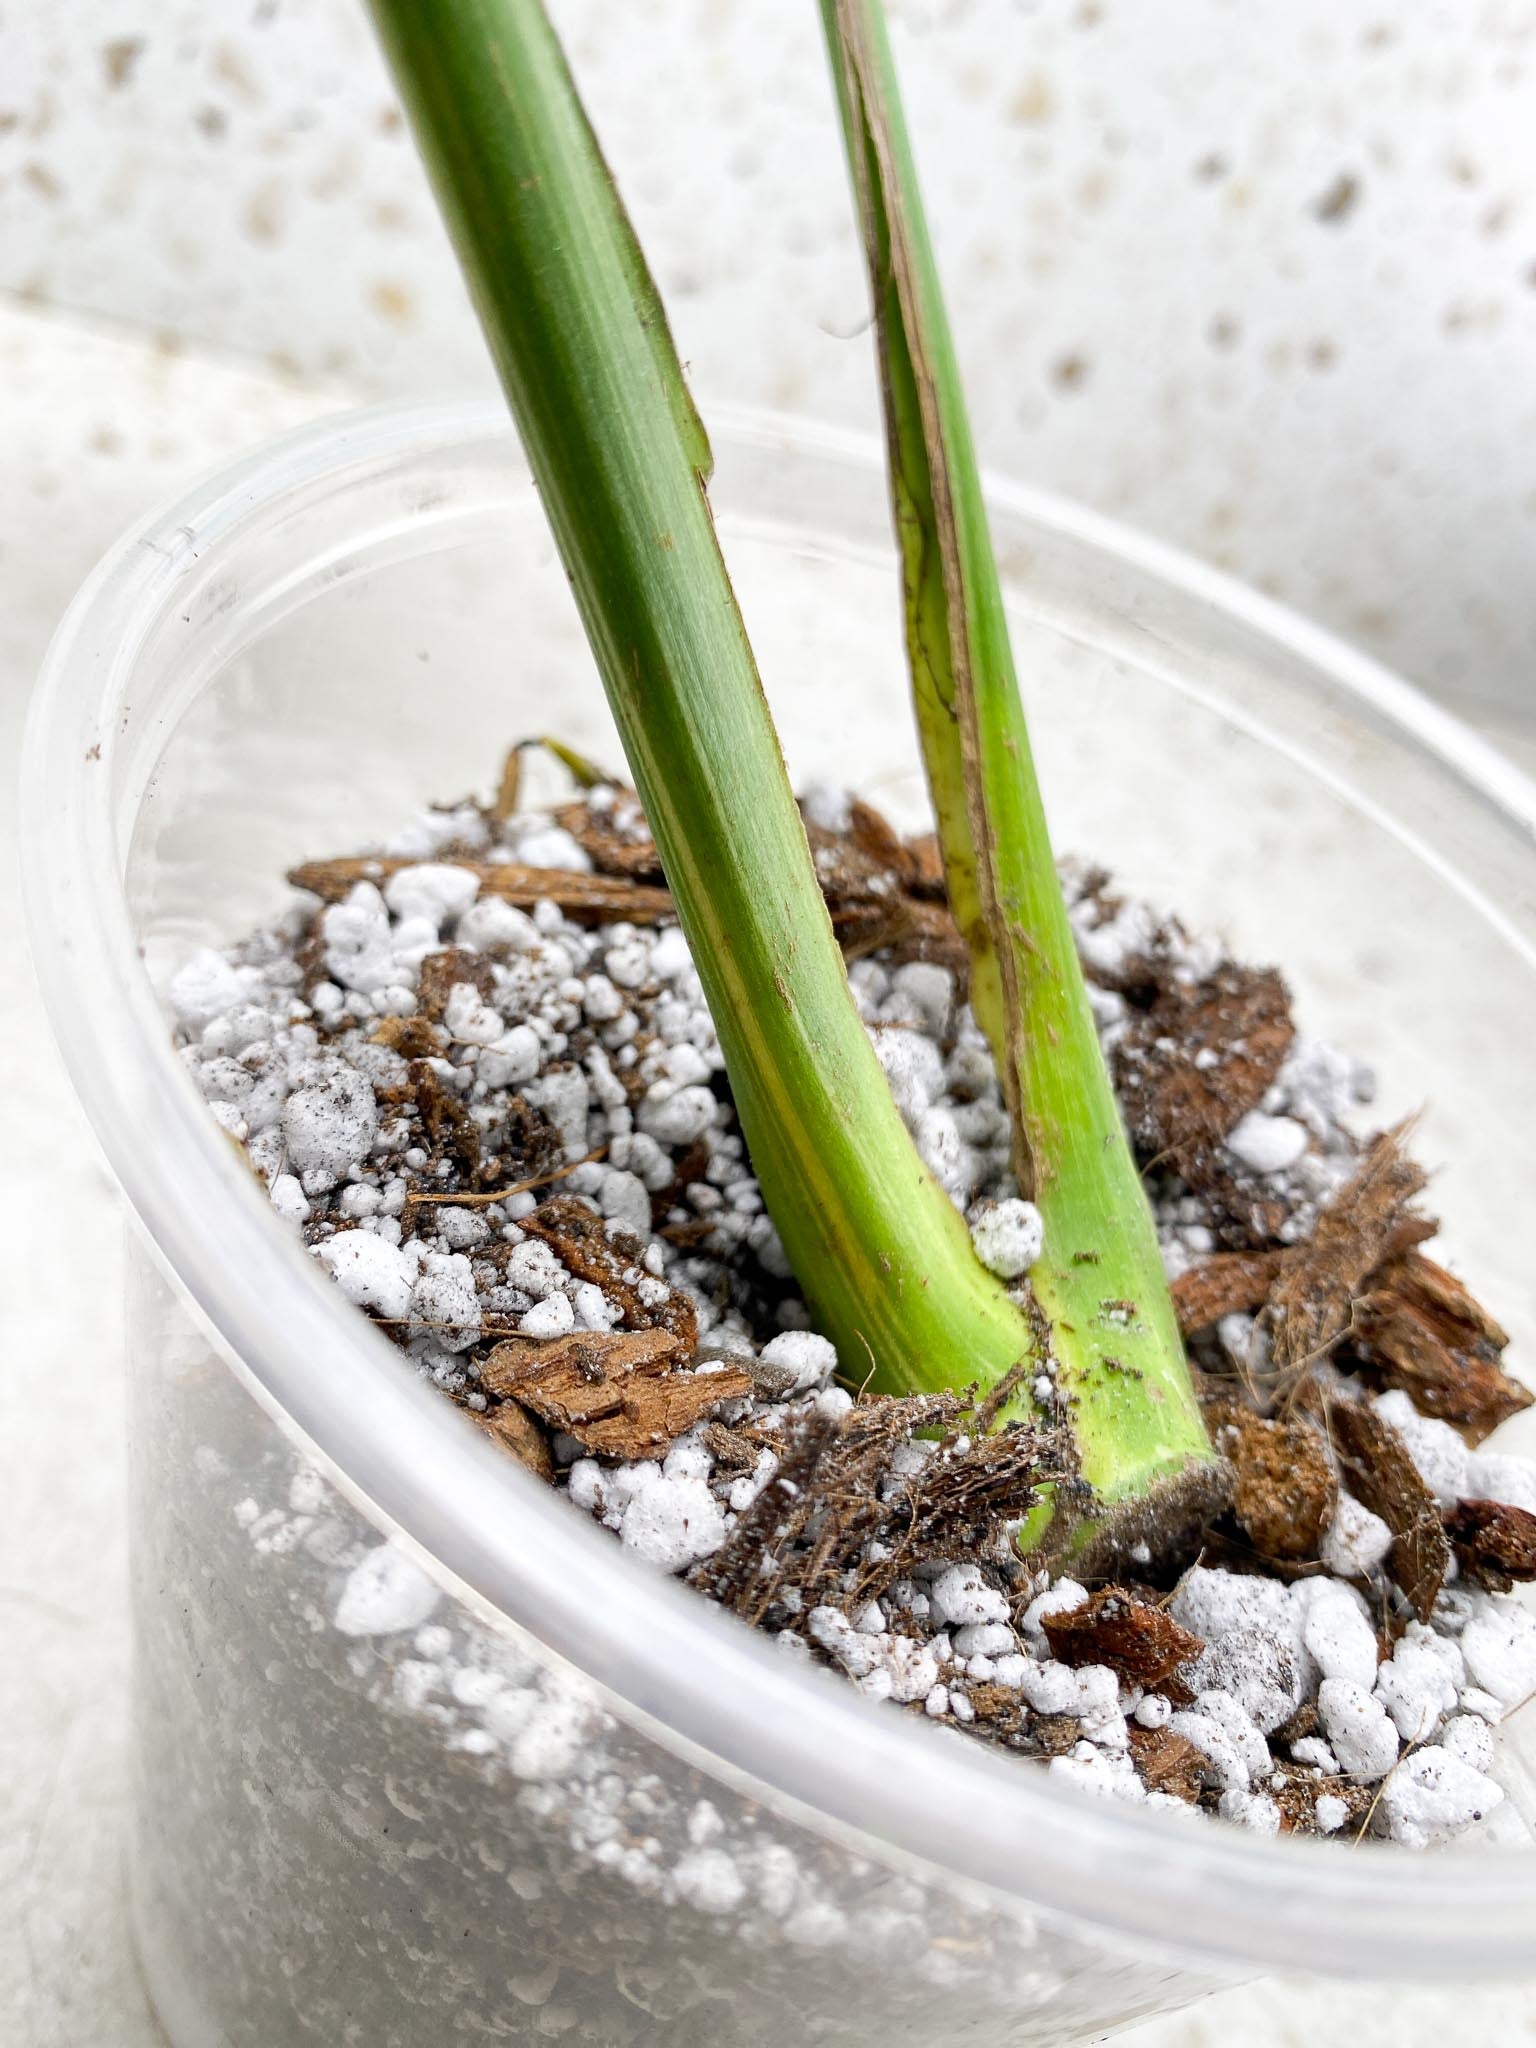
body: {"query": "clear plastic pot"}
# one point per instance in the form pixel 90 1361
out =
pixel 559 1796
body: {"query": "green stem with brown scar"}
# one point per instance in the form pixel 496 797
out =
pixel 1118 1353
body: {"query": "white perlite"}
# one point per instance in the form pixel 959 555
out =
pixel 384 1594
pixel 1433 1795
pixel 1337 1633
pixel 808 1359
pixel 605 1032
pixel 371 1271
pixel 1499 1646
pixel 1357 1541
pixel 1267 1144
pixel 1009 1237
pixel 1359 1729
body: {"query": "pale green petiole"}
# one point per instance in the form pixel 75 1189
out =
pixel 1100 1284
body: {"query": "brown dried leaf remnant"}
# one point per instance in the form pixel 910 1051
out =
pixel 1140 1643
pixel 878 888
pixel 621 1394
pixel 1374 1460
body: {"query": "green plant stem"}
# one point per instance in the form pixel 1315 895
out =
pixel 1119 1355
pixel 583 350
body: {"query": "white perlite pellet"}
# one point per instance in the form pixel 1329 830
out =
pixel 329 1123
pixel 809 1360
pixel 1433 1795
pixel 1499 1646
pixel 384 1594
pixel 1420 1681
pixel 1009 1237
pixel 672 1521
pixel 1357 1541
pixel 1331 1814
pixel 960 1593
pixel 1267 1144
pixel 371 1271
pixel 1217 1726
pixel 1337 1635
pixel 1358 1727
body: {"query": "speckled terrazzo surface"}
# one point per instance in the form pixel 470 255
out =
pixel 1323 216
pixel 96 427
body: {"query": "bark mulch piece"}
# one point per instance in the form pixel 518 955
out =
pixel 1363 1296
pixel 517 1431
pixel 1001 1708
pixel 587 899
pixel 1418 1328
pixel 579 1239
pixel 1494 1541
pixel 1312 1303
pixel 1166 1762
pixel 732 1449
pixel 621 1394
pixel 1054 1734
pixel 1286 1491
pixel 1374 1461
pixel 1140 1643
pixel 1229 1283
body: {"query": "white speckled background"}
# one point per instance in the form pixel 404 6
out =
pixel 1258 275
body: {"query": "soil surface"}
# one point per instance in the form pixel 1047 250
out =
pixel 475 1071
